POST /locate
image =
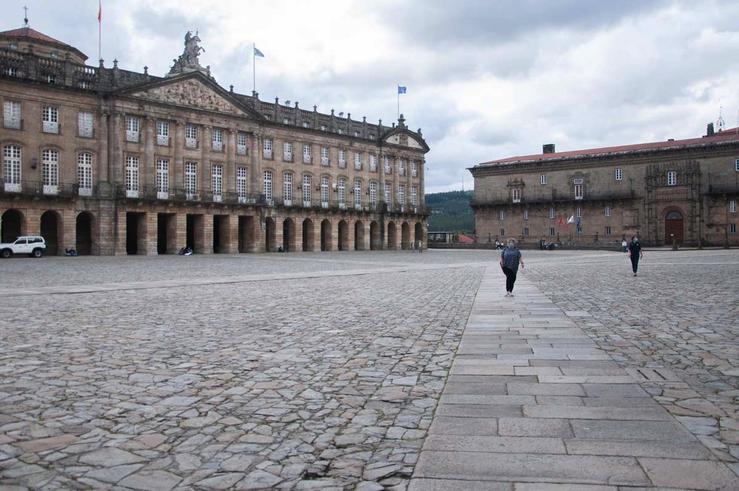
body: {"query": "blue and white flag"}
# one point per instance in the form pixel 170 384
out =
pixel 258 53
pixel 402 89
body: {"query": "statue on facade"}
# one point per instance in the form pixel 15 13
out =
pixel 188 60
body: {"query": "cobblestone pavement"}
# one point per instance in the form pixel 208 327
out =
pixel 327 377
pixel 291 384
pixel 675 327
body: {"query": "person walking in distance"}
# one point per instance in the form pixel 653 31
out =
pixel 635 253
pixel 510 257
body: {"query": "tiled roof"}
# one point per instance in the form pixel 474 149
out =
pixel 32 34
pixel 728 135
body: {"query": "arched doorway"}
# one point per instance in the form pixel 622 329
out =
pixel 83 228
pixel 343 235
pixel 418 236
pixel 326 235
pixel 358 236
pixel 375 241
pixel 288 235
pixel 51 231
pixel 270 240
pixel 405 236
pixel 12 224
pixel 392 234
pixel 308 235
pixel 674 227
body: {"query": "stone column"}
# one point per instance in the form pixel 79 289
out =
pixel 120 245
pixel 278 232
pixel 203 234
pixel 179 233
pixel 32 223
pixel 204 171
pixel 69 225
pixel 102 169
pixel 150 239
pixel 177 173
pixel 366 240
pixel 229 166
pixel 298 234
pixel 117 160
pixel 349 235
pixel 230 234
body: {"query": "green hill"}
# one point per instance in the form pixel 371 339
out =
pixel 450 212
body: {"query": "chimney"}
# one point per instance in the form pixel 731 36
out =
pixel 548 148
pixel 709 130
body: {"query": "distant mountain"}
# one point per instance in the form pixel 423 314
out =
pixel 450 212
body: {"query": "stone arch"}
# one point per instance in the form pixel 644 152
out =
pixel 375 238
pixel 52 231
pixel 358 235
pixel 270 235
pixel 392 235
pixel 326 235
pixel 405 236
pixel 12 224
pixel 308 235
pixel 343 228
pixel 288 235
pixel 674 225
pixel 419 236
pixel 85 236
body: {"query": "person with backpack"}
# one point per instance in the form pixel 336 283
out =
pixel 510 258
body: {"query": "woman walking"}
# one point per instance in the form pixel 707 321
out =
pixel 635 253
pixel 510 257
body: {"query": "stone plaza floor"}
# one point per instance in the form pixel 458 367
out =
pixel 370 371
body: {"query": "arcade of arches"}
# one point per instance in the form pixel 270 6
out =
pixel 149 233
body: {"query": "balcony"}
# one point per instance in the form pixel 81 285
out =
pixel 552 198
pixel 39 189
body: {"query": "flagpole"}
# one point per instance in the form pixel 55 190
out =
pixel 100 30
pixel 398 91
pixel 254 67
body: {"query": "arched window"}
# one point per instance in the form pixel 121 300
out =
pixel 268 185
pixel 84 173
pixel 324 191
pixel 674 215
pixel 342 191
pixel 357 193
pixel 307 191
pixel 287 188
pixel 12 168
pixel 50 170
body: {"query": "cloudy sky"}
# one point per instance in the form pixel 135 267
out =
pixel 486 79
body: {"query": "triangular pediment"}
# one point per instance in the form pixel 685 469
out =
pixel 402 137
pixel 192 91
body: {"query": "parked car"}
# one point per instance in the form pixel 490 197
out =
pixel 33 245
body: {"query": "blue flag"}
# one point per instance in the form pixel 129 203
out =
pixel 402 89
pixel 257 52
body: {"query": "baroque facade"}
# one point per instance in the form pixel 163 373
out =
pixel 684 191
pixel 111 161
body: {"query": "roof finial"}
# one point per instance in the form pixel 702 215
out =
pixel 720 122
pixel 25 16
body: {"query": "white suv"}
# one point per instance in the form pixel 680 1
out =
pixel 33 245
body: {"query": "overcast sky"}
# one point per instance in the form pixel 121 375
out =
pixel 486 79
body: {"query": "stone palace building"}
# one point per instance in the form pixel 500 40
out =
pixel 686 190
pixel 111 161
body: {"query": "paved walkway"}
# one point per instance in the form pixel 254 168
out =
pixel 531 400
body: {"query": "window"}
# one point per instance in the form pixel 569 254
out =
pixel 357 161
pixel 401 195
pixel 501 215
pixel 618 174
pixel 373 193
pixel 191 136
pixel 307 190
pixel 12 115
pixel 268 185
pixel 526 231
pixel 191 180
pixel 133 125
pixel 578 212
pixel 608 230
pixel 732 206
pixel 414 195
pixel 287 152
pixel 732 228
pixel 373 162
pixel 551 212
pixel 736 165
pixel 414 168
pixel 324 191
pixel 542 179
pixel 267 148
pixel 50 171
pixel 526 214
pixel 216 181
pixel 50 120
pixel 162 178
pixel 578 191
pixel 241 143
pixel 307 154
pixel 324 156
pixel 516 194
pixel 607 211
pixel 671 178
pixel 401 167
pixel 84 174
pixel 386 191
pixel 342 192
pixel 132 177
pixel 217 139
pixel 163 133
pixel 356 133
pixel 287 188
pixel 578 230
pixel 85 124
pixel 357 193
pixel 387 165
pixel 551 231
pixel 342 159
pixel 502 232
pixel 12 168
pixel 241 184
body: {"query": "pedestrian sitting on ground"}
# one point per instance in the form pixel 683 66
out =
pixel 635 253
pixel 510 257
